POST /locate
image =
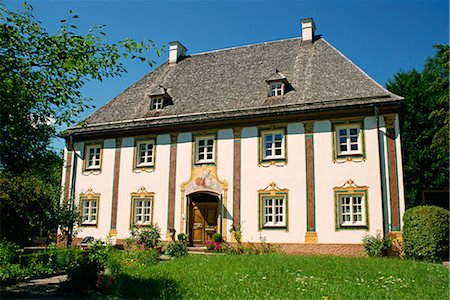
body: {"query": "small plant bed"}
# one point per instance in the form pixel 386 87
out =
pixel 281 277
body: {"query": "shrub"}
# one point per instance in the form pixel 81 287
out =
pixel 9 252
pixel 425 233
pixel 177 249
pixel 147 237
pixel 217 237
pixel 183 237
pixel 377 246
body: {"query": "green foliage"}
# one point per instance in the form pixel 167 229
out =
pixel 217 237
pixel 426 233
pixel 183 237
pixel 147 237
pixel 376 246
pixel 425 124
pixel 282 277
pixel 177 249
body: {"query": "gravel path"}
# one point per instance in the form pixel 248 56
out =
pixel 45 288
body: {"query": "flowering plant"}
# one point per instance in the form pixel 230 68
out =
pixel 146 237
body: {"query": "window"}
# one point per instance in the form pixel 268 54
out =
pixel 348 138
pixel 157 103
pixel 276 89
pixel 205 149
pixel 142 213
pixel 351 207
pixel 93 157
pixel 273 145
pixel 273 211
pixel 89 212
pixel 145 153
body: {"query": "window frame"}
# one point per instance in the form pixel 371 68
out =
pixel 197 140
pixel 157 105
pixel 274 159
pixel 89 197
pixel 351 192
pixel 273 194
pixel 141 194
pixel 137 143
pixel 276 87
pixel 348 154
pixel 87 147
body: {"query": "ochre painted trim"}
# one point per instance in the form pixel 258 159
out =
pixel 90 195
pixel 94 171
pixel 350 188
pixel 237 178
pixel 358 157
pixel 138 140
pixel 142 194
pixel 279 162
pixel 311 237
pixel 172 181
pixel 310 184
pixel 115 190
pixel 68 170
pixel 272 190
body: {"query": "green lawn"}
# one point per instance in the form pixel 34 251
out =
pixel 276 276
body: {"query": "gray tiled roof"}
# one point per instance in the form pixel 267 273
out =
pixel 235 79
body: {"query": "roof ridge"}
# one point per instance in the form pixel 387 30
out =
pixel 245 46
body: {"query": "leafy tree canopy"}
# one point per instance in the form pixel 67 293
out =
pixel 41 75
pixel 425 124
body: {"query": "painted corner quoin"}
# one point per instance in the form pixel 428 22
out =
pixel 311 234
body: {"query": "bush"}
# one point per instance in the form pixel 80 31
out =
pixel 217 237
pixel 183 237
pixel 425 233
pixel 177 249
pixel 377 246
pixel 147 237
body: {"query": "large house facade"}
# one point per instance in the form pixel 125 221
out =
pixel 288 141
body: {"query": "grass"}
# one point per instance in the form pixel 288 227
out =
pixel 276 276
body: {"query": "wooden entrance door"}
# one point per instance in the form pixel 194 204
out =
pixel 203 221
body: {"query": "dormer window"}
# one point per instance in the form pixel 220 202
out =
pixel 157 103
pixel 276 89
pixel 276 84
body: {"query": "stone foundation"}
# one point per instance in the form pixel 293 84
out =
pixel 355 250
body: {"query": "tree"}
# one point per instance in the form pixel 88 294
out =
pixel 425 124
pixel 41 76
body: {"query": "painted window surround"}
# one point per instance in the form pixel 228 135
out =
pixel 264 160
pixel 272 192
pixel 355 155
pixel 202 141
pixel 146 167
pixel 87 168
pixel 89 197
pixel 352 192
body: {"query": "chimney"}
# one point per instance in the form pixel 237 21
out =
pixel 176 52
pixel 308 28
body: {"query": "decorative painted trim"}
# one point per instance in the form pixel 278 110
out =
pixel 279 162
pixel 89 195
pixel 172 182
pixel 311 237
pixel 203 178
pixel 68 170
pixel 310 182
pixel 87 171
pixel 348 157
pixel 272 190
pixel 350 188
pixel 142 194
pixel 115 188
pixel 393 173
pixel 237 177
pixel 137 140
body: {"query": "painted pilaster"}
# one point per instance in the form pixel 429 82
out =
pixel 115 191
pixel 172 184
pixel 237 178
pixel 311 234
pixel 68 170
pixel 393 175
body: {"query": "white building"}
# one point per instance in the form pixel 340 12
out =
pixel 287 140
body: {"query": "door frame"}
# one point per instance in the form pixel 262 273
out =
pixel 217 198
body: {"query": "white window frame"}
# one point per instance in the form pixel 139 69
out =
pixel 145 211
pixel 89 212
pixel 276 89
pixel 202 146
pixel 92 162
pixel 271 206
pixel 349 139
pixel 356 212
pixel 147 143
pixel 157 103
pixel 273 146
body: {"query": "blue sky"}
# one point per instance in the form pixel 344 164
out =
pixel 381 37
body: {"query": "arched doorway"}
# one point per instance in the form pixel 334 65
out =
pixel 203 217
